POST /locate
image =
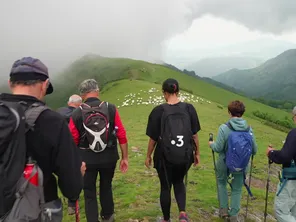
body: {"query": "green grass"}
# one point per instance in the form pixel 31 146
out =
pixel 136 193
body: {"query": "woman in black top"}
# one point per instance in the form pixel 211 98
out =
pixel 171 174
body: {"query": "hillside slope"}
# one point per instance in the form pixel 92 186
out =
pixel 111 69
pixel 136 193
pixel 275 79
pixel 135 88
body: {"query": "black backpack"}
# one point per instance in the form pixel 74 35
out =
pixel 176 139
pixel 97 124
pixel 16 119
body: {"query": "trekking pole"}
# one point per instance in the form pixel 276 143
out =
pixel 211 138
pixel 267 188
pixel 250 177
pixel 77 216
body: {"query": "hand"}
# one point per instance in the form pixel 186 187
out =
pixel 148 162
pixel 210 143
pixel 196 159
pixel 83 168
pixel 269 148
pixel 124 165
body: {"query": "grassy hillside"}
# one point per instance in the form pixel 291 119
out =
pixel 109 69
pixel 136 193
pixel 273 80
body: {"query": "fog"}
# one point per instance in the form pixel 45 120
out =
pixel 58 32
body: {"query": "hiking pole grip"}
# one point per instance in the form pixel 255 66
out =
pixel 211 137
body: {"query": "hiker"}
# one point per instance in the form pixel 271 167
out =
pixel 179 136
pixel 236 123
pixel 96 135
pixel 285 199
pixel 73 103
pixel 41 147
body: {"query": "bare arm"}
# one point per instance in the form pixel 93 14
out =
pixel 151 146
pixel 196 142
pixel 124 151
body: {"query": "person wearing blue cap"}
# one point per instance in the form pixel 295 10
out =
pixel 46 140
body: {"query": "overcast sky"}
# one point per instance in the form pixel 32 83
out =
pixel 59 31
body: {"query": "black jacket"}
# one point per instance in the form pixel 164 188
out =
pixel 287 153
pixel 66 112
pixel 53 147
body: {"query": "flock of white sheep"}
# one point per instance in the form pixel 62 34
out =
pixel 154 97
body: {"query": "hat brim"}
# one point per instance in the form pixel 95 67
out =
pixel 49 89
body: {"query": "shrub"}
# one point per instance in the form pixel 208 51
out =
pixel 270 120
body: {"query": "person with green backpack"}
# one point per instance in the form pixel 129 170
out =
pixel 285 200
pixel 235 139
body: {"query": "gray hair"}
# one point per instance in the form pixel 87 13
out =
pixel 75 99
pixel 87 86
pixel 294 111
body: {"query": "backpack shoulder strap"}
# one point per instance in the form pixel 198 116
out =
pixel 15 109
pixel 229 125
pixel 33 112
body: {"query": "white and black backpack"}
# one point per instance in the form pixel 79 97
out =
pixel 96 122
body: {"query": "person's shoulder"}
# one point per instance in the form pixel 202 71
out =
pixel 50 116
pixel 62 110
pixel 158 108
pixel 224 126
pixel 189 105
pixel 293 132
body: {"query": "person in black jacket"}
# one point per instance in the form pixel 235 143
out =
pixel 285 200
pixel 73 103
pixel 51 143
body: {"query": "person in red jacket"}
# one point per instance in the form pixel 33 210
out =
pixel 96 126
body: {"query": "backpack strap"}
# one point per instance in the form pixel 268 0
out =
pixel 229 125
pixel 33 112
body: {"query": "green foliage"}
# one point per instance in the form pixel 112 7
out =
pixel 279 104
pixel 271 120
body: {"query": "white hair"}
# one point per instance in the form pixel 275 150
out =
pixel 75 99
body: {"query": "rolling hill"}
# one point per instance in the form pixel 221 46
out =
pixel 135 88
pixel 273 80
pixel 209 67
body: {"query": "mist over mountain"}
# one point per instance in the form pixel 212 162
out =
pixel 275 79
pixel 209 67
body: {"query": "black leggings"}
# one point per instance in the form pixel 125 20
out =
pixel 168 176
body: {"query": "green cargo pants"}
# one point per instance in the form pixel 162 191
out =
pixel 236 192
pixel 285 203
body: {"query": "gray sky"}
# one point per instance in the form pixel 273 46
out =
pixel 58 32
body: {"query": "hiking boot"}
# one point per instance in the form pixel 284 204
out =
pixel 71 210
pixel 183 217
pixel 110 219
pixel 223 212
pixel 233 219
